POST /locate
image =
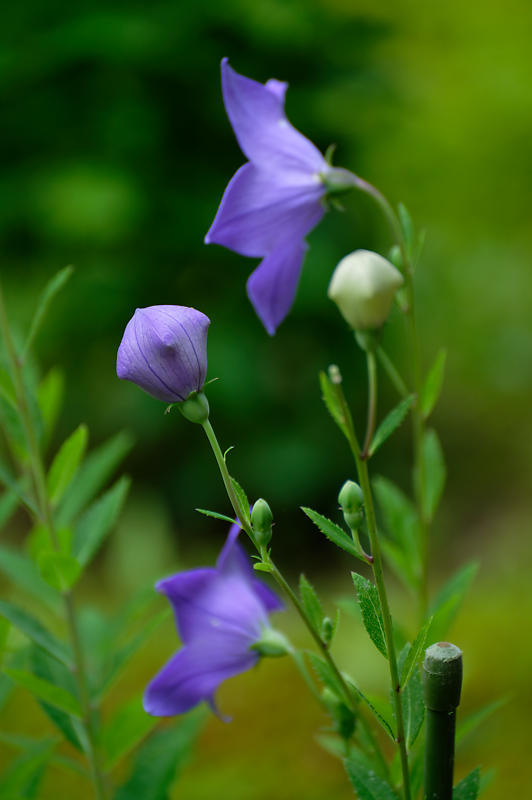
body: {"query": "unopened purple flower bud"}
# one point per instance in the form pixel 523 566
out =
pixel 164 351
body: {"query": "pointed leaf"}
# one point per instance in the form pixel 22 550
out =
pixel 46 691
pixel 414 653
pixel 368 600
pixel 469 787
pixel 448 601
pixel 128 727
pixel 332 403
pixel 368 785
pixel 35 631
pixel 390 423
pixel 413 707
pixel 17 487
pixel 470 723
pixel 59 570
pixel 94 525
pixel 160 759
pixel 433 383
pixel 7 390
pixel 333 532
pixel 42 666
pixel 8 506
pixel 407 228
pixel 435 472
pixel 401 522
pixel 242 501
pixel 24 574
pixel 50 290
pixel 22 779
pixel 311 603
pixel 50 397
pixel 66 462
pixel 215 514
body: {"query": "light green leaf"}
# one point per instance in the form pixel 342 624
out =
pixel 414 654
pixel 94 525
pixel 21 571
pixel 160 760
pixel 401 522
pixel 407 228
pixel 50 397
pixel 433 383
pixel 7 390
pixel 50 670
pixel 128 727
pixel 413 707
pixel 469 787
pixel 333 532
pixel 332 403
pixel 35 631
pixel 17 488
pixel 242 501
pixel 215 514
pixel 96 469
pixel 367 784
pixel 59 570
pixel 22 779
pixel 390 423
pixel 435 472
pixel 49 292
pixel 66 462
pixel 448 601
pixel 470 723
pixel 311 603
pixel 46 691
pixel 8 506
pixel 368 600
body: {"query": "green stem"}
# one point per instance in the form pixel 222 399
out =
pixel 350 698
pixel 376 565
pixel 372 402
pixel 392 372
pixel 46 517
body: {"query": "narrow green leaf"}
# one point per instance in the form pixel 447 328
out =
pixel 46 691
pixel 8 506
pixel 50 670
pixel 470 723
pixel 433 383
pixel 311 603
pixel 368 600
pixel 413 707
pixel 129 726
pixel 390 423
pixel 242 500
pixel 17 488
pixel 49 292
pixel 448 601
pixel 435 472
pixel 367 784
pixel 160 760
pixel 7 390
pixel 35 631
pixel 407 228
pixel 22 572
pixel 94 525
pixel 469 787
pixel 59 570
pixel 215 514
pixel 22 779
pixel 97 468
pixel 66 463
pixel 333 532
pixel 414 653
pixel 402 525
pixel 332 403
pixel 50 395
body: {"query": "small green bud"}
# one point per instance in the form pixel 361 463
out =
pixel 363 286
pixel 327 630
pixel 195 408
pixel 261 520
pixel 351 502
pixel 272 644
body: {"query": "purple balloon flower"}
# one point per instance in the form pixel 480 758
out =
pixel 220 613
pixel 275 199
pixel 164 351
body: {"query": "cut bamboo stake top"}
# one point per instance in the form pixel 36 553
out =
pixel 442 683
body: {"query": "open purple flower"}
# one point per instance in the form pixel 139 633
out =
pixel 164 351
pixel 220 613
pixel 275 199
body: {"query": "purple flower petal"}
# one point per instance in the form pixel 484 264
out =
pixel 267 596
pixel 195 672
pixel 256 113
pixel 272 286
pixel 258 210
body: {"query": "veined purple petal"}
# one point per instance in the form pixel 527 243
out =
pixel 256 113
pixel 260 209
pixel 272 286
pixel 163 351
pixel 196 671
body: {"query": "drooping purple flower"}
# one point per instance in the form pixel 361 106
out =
pixel 275 199
pixel 164 351
pixel 220 613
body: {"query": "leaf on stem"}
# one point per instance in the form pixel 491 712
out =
pixel 370 607
pixel 332 403
pixel 34 630
pixel 215 514
pixel 97 521
pixel 333 533
pixel 49 292
pixel 470 723
pixel 42 666
pixel 59 570
pixel 127 728
pixel 401 522
pixel 22 572
pixel 414 654
pixel 469 787
pixel 367 784
pixel 66 463
pixel 435 472
pixel 50 397
pixel 433 384
pixel 243 501
pixel 390 423
pixel 311 603
pixel 448 601
pixel 22 778
pixel 46 691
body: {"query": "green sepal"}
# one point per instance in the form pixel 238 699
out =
pixel 368 600
pixel 195 408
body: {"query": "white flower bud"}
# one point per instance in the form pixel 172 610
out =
pixel 363 286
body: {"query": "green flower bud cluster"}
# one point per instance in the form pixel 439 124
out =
pixel 262 521
pixel 351 502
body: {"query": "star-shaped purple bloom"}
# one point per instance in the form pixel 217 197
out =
pixel 220 612
pixel 275 199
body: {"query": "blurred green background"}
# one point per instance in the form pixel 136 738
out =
pixel 115 150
